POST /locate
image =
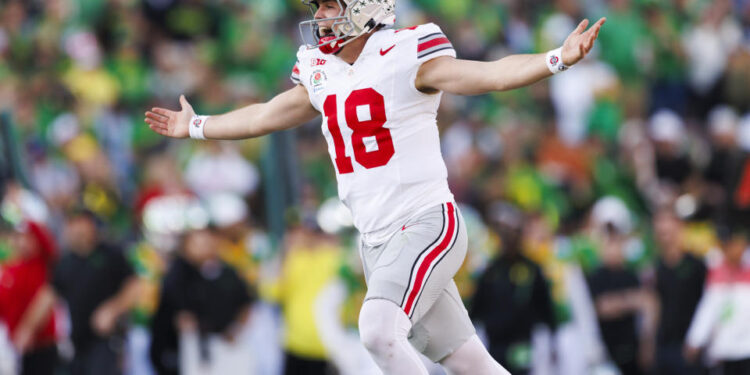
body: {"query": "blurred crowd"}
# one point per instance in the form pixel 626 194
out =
pixel 608 208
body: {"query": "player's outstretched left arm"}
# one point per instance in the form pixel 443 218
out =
pixel 289 109
pixel 466 77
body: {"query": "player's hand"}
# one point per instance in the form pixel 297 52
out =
pixel 580 41
pixel 171 123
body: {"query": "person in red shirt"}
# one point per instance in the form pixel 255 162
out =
pixel 27 301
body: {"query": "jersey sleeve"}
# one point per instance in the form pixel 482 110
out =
pixel 432 43
pixel 295 74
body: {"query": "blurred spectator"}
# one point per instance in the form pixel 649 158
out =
pixel 8 365
pixel 241 245
pixel 667 73
pixel 99 287
pixel 311 262
pixel 738 205
pixel 626 30
pixel 708 45
pixel 619 298
pixel 114 131
pixel 229 171
pixel 738 74
pixel 575 97
pixel 723 125
pixel 200 293
pixel 679 283
pixel 668 132
pixel 20 204
pixel 721 323
pixel 162 179
pixel 26 300
pixel 512 295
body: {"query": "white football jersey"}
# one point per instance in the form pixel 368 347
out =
pixel 381 131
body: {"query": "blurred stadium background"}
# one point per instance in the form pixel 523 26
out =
pixel 602 204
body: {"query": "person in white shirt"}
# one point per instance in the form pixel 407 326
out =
pixel 721 324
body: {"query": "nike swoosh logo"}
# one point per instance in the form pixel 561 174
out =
pixel 383 52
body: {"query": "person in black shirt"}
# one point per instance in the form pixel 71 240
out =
pixel 99 287
pixel 512 295
pixel 672 162
pixel 198 292
pixel 679 283
pixel 619 301
pixel 724 163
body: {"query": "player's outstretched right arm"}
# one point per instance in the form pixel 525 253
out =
pixel 467 77
pixel 287 110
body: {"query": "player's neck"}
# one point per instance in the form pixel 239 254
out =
pixel 350 53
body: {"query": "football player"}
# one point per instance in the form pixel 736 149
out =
pixel 378 91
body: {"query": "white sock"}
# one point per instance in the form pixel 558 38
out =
pixel 383 329
pixel 472 358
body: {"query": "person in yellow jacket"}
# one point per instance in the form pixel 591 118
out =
pixel 311 262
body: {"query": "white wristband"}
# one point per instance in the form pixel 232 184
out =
pixel 198 126
pixel 554 61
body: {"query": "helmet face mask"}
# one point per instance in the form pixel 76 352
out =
pixel 356 18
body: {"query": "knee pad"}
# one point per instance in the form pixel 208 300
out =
pixel 472 359
pixel 381 325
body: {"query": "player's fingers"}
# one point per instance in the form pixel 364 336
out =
pixel 598 29
pixel 149 120
pixel 156 116
pixel 592 38
pixel 594 30
pixel 591 31
pixel 598 25
pixel 159 129
pixel 590 42
pixel 153 123
pixel 163 112
pixel 582 26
